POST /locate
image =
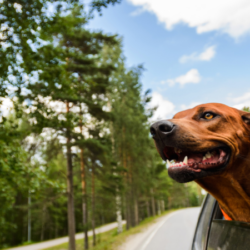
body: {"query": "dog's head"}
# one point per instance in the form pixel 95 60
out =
pixel 206 140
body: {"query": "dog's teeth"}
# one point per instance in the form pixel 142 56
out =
pixel 208 155
pixel 185 160
pixel 168 162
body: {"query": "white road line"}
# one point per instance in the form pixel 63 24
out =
pixel 155 231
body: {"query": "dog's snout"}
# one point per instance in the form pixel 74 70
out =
pixel 161 128
pixel 166 127
pixel 152 131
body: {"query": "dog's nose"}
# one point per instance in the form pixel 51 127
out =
pixel 161 128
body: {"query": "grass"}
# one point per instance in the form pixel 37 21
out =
pixel 110 240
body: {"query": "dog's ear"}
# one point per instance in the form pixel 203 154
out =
pixel 245 117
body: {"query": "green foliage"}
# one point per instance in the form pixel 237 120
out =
pixel 19 176
pixel 98 4
pixel 70 71
pixel 21 23
pixel 247 109
pixel 73 92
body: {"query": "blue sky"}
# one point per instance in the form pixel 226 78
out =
pixel 189 58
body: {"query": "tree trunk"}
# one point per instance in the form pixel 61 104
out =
pixel 152 202
pixel 162 205
pixel 148 208
pixel 159 207
pixel 117 197
pixel 84 201
pixel 93 204
pixel 169 202
pixel 132 204
pixel 128 214
pixel 56 229
pixel 29 217
pixel 131 190
pixel 136 212
pixel 131 207
pixel 118 213
pixel 71 214
pixel 42 220
pixel 84 194
pixel 128 217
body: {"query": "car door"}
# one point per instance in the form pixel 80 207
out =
pixel 213 232
pixel 203 225
pixel 227 235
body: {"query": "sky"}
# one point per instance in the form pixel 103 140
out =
pixel 194 51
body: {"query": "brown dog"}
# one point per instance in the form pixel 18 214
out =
pixel 211 145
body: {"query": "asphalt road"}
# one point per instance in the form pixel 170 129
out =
pixel 174 232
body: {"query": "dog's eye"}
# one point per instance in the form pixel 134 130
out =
pixel 208 116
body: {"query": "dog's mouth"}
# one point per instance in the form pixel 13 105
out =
pixel 213 159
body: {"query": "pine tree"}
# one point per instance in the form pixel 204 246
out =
pixel 98 4
pixel 87 114
pixel 129 130
pixel 71 75
pixel 21 22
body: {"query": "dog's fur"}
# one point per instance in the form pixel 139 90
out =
pixel 229 185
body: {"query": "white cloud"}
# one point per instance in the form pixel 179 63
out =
pixel 165 107
pixel 206 55
pixel 242 101
pixel 192 76
pixel 245 97
pixel 191 105
pixel 228 16
pixel 137 12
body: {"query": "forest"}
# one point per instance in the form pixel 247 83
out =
pixel 75 148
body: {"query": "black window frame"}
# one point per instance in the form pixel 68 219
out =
pixel 211 217
pixel 217 217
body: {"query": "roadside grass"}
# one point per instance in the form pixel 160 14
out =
pixel 111 240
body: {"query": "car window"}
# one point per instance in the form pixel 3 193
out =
pixel 200 238
pixel 229 235
pixel 217 212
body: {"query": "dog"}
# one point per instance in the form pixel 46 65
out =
pixel 210 144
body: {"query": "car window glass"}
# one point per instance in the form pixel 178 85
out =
pixel 203 224
pixel 217 213
pixel 229 235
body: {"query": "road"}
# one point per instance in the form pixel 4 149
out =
pixel 55 242
pixel 171 232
